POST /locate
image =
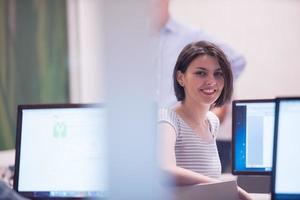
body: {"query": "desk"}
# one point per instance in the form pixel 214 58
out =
pixel 255 196
pixel 225 191
pixel 7 158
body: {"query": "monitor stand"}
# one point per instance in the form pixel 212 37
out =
pixel 255 183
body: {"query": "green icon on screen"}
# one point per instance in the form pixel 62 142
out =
pixel 60 130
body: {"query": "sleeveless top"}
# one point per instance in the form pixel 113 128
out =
pixel 191 151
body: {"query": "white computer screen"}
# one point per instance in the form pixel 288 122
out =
pixel 63 152
pixel 287 161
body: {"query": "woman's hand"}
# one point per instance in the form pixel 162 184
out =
pixel 243 195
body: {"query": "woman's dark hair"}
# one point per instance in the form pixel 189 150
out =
pixel 191 52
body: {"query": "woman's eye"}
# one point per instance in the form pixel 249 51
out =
pixel 219 74
pixel 201 73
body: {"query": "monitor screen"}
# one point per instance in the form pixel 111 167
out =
pixel 252 136
pixel 286 162
pixel 61 151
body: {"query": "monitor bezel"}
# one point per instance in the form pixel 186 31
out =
pixel 235 171
pixel 273 177
pixel 22 107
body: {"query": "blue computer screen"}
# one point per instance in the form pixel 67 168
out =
pixel 253 131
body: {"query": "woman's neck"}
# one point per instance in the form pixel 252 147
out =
pixel 197 113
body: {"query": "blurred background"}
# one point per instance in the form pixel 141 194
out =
pixel 87 51
pixel 33 59
pixel 265 32
pixel 51 51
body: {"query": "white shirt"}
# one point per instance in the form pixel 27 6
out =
pixel 191 151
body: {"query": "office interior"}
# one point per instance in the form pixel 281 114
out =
pixel 107 56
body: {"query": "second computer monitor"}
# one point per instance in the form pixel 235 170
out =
pixel 252 136
pixel 286 162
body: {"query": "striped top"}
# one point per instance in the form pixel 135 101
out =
pixel 191 151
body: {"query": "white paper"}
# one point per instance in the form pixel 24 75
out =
pixel 226 190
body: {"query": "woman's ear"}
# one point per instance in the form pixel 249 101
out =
pixel 180 78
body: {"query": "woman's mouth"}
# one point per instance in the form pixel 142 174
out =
pixel 209 91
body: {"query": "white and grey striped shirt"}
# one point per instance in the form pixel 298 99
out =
pixel 191 151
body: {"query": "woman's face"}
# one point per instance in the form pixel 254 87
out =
pixel 203 80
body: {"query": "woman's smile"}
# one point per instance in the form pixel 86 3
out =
pixel 208 91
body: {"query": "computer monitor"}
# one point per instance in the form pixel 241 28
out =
pixel 286 162
pixel 252 136
pixel 61 151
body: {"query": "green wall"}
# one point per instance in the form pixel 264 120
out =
pixel 33 58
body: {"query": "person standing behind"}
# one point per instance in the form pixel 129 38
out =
pixel 173 36
pixel 202 80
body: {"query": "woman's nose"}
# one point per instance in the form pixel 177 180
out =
pixel 210 80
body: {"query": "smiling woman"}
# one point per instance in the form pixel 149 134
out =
pixel 33 59
pixel 200 55
pixel 202 80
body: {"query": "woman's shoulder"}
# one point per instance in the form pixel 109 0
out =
pixel 169 116
pixel 166 114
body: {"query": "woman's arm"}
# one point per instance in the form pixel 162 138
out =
pixel 243 195
pixel 177 175
pixel 174 174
